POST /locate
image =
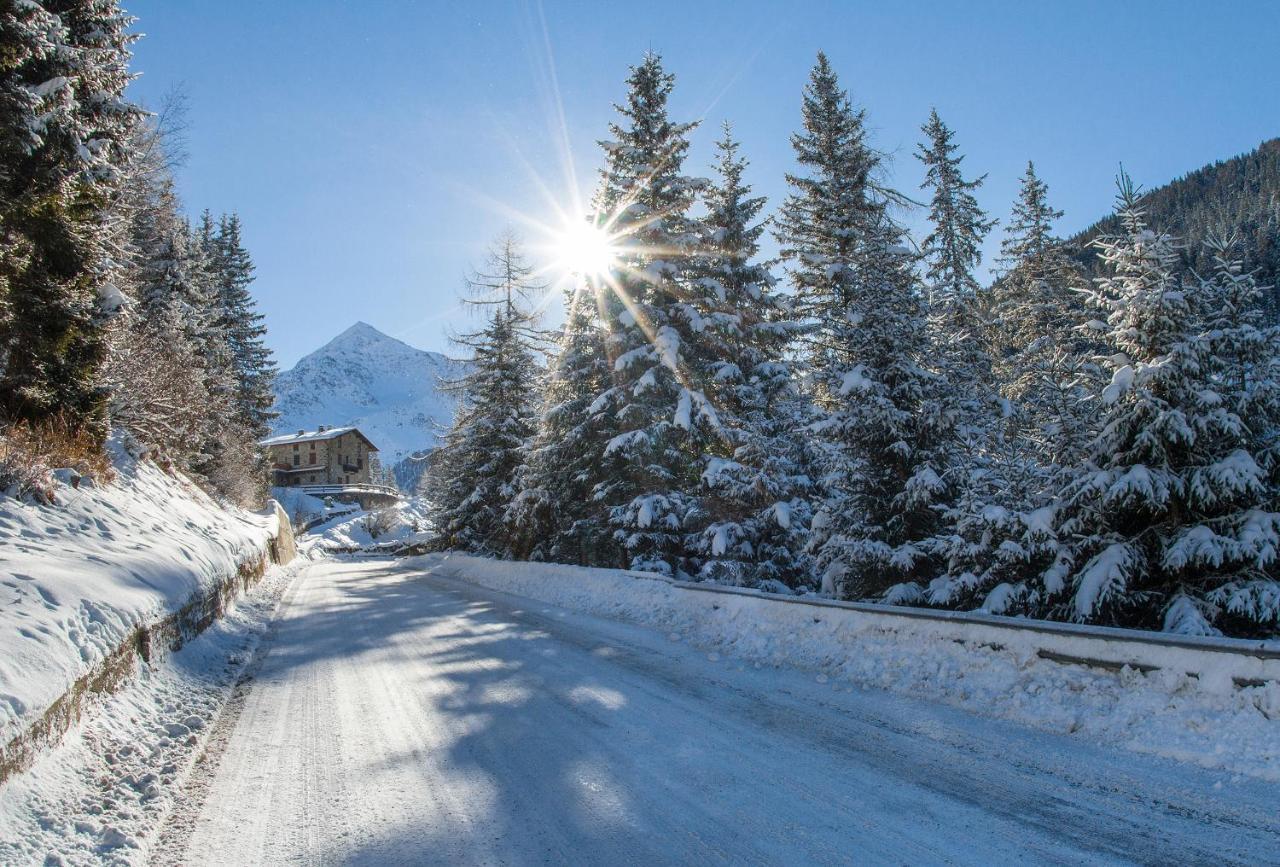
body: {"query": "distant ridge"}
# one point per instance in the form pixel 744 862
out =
pixel 1240 195
pixel 380 384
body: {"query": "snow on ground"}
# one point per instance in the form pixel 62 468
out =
pixel 386 528
pixel 77 577
pixel 1163 713
pixel 302 508
pixel 405 717
pixel 99 796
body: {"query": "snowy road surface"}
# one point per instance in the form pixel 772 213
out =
pixel 409 718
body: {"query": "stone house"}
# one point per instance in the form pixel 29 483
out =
pixel 326 456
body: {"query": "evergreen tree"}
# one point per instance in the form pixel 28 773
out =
pixel 1029 236
pixel 175 316
pixel 952 249
pixel 1173 514
pixel 64 127
pixel 1042 358
pixel 950 253
pixel 471 478
pixel 251 364
pixel 757 492
pixel 886 422
pixel 1233 578
pixel 153 374
pixel 656 412
pixel 554 516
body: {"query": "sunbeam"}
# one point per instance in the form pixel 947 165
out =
pixel 585 250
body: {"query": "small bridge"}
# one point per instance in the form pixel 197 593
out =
pixel 368 496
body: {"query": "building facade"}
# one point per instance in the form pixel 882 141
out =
pixel 326 456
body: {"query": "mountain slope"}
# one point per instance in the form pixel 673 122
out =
pixel 1240 195
pixel 382 385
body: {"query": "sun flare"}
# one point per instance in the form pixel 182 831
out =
pixel 585 250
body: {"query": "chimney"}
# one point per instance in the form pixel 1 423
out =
pixel 322 429
pixel 301 432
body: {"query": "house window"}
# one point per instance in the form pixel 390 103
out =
pixel 359 463
pixel 297 459
pixel 295 447
pixel 313 458
pixel 311 478
pixel 313 447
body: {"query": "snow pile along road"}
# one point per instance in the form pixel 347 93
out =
pixel 385 529
pixel 1164 712
pixel 100 796
pixel 77 578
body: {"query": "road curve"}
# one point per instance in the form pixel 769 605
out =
pixel 403 718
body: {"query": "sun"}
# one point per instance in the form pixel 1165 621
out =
pixel 585 250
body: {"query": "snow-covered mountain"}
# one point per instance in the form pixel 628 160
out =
pixel 384 386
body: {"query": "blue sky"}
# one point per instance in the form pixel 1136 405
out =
pixel 374 148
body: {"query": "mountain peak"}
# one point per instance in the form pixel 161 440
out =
pixel 361 330
pixel 362 327
pixel 363 337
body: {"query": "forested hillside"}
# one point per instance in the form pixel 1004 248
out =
pixel 1237 197
pixel 117 314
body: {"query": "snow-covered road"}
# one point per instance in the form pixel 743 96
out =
pixel 408 718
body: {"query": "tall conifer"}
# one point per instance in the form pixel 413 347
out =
pixel 64 128
pixel 886 422
pixel 758 487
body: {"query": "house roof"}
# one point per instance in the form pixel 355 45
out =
pixel 324 433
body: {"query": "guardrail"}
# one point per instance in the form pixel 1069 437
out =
pixel 1264 649
pixel 330 490
pixel 1203 657
pixel 1218 664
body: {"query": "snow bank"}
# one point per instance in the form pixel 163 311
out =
pixel 79 577
pixel 1203 701
pixel 105 792
pixel 300 506
pixel 389 528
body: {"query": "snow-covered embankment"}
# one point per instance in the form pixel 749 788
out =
pixel 1214 702
pixel 110 575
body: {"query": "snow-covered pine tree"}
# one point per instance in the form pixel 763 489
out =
pixel 886 422
pixel 950 253
pixel 659 418
pixel 176 303
pixel 1244 350
pixel 241 324
pixel 554 516
pixel 976 462
pixel 471 478
pixel 1042 360
pixel 1003 531
pixel 64 127
pixel 756 494
pixel 1173 514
